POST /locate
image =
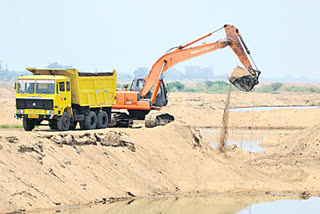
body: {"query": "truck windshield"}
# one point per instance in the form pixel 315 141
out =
pixel 45 87
pixel 25 86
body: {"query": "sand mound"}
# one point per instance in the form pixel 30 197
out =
pixel 294 158
pixel 45 169
pixel 303 143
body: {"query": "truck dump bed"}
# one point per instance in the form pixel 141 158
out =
pixel 88 89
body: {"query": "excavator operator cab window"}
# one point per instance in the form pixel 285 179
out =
pixel 140 84
pixel 137 84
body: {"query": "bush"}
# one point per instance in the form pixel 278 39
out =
pixel 300 89
pixel 175 86
pixel 212 87
pixel 276 86
pixel 273 88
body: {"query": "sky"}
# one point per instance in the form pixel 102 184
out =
pixel 283 36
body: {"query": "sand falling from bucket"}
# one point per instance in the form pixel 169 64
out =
pixel 225 119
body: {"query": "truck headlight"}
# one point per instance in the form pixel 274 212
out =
pixel 49 111
pixel 20 111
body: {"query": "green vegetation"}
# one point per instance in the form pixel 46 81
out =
pixel 212 87
pixel 275 88
pixel 220 87
pixel 175 86
pixel 216 87
pixel 300 89
pixel 11 126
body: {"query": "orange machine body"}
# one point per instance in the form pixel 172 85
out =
pixel 131 100
pixel 141 100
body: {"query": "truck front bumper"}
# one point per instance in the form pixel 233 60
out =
pixel 36 116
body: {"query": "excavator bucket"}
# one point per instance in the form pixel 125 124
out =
pixel 242 80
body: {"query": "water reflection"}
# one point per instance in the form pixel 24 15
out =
pixel 248 140
pixel 201 205
pixel 310 206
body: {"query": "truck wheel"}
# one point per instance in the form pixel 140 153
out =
pixel 102 120
pixel 53 124
pixel 90 121
pixel 28 125
pixel 63 123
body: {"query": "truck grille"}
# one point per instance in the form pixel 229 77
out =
pixel 34 104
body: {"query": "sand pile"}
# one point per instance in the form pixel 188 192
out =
pixel 303 143
pixel 293 159
pixel 45 169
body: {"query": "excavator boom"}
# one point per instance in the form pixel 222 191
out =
pixel 182 53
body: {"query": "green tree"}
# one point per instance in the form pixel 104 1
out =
pixel 176 86
pixel 276 86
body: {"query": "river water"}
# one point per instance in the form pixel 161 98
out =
pixel 248 140
pixel 201 205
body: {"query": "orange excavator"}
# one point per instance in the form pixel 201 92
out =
pixel 150 93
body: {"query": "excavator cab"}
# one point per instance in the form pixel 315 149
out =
pixel 162 94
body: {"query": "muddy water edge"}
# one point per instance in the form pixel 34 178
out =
pixel 199 204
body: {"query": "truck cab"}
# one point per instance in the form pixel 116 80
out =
pixel 41 97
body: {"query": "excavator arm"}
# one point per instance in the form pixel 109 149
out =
pixel 233 39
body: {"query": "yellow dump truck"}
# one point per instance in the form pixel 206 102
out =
pixel 65 97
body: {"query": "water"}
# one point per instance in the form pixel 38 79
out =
pixel 202 205
pixel 270 108
pixel 309 206
pixel 248 140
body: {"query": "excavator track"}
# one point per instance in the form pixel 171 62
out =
pixel 154 119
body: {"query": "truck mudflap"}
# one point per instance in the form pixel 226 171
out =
pixel 154 119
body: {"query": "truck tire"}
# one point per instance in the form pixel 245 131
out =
pixel 90 121
pixel 28 125
pixel 63 123
pixel 102 120
pixel 53 124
